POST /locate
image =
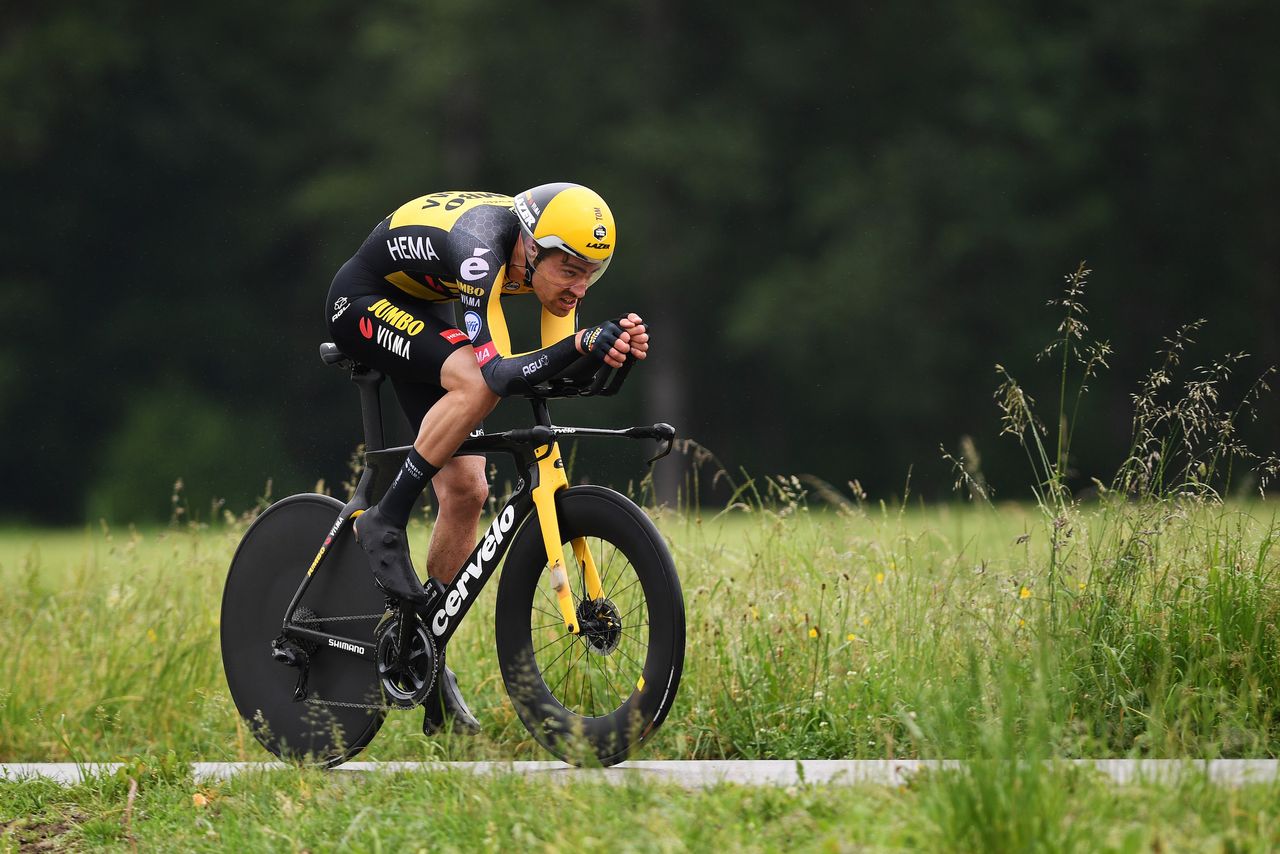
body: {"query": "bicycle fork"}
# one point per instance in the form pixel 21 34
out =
pixel 552 479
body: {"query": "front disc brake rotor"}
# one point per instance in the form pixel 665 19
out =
pixel 601 625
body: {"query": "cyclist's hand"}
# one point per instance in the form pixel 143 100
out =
pixel 608 342
pixel 638 334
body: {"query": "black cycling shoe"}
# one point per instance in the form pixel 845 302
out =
pixel 444 705
pixel 388 548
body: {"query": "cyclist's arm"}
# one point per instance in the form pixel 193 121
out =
pixel 507 372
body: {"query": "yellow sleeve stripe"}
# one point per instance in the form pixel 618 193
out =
pixel 495 319
pixel 415 289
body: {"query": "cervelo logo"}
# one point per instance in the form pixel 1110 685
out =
pixel 475 268
pixel 475 570
pixel 394 317
pixel 349 647
pixel 533 366
pixel 472 321
pixel 405 248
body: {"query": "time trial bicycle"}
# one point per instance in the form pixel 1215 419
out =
pixel 589 627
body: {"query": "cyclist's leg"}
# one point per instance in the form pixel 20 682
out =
pixel 409 340
pixel 461 491
pixel 461 487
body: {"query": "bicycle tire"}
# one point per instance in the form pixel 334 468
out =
pixel 269 565
pixel 568 718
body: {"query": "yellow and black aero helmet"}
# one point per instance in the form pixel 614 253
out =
pixel 569 217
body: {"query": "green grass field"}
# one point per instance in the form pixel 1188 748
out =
pixel 1123 629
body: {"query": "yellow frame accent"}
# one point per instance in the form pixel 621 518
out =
pixel 552 479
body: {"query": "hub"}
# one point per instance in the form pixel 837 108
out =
pixel 600 625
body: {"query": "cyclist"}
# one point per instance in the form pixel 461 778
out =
pixel 391 307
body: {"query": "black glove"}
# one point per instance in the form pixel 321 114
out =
pixel 599 340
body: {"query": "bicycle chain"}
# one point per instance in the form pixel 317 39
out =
pixel 315 701
pixel 337 619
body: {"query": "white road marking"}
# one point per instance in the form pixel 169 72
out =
pixel 698 774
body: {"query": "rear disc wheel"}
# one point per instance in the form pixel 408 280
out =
pixel 344 709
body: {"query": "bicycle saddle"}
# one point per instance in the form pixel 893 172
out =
pixel 331 355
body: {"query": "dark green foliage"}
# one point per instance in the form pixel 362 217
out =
pixel 838 222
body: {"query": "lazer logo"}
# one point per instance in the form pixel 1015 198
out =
pixel 394 317
pixel 522 209
pixel 349 647
pixel 475 268
pixel 474 571
pixel 597 245
pixel 533 366
pixel 405 248
pixel 388 340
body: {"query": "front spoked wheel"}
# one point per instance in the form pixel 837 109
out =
pixel 599 694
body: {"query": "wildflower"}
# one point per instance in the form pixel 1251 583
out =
pixel 1021 623
pixel 813 632
pixel 1082 585
pixel 151 635
pixel 755 612
pixel 199 800
pixel 851 637
pixel 1024 593
pixel 879 578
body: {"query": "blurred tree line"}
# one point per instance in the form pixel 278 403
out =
pixel 838 219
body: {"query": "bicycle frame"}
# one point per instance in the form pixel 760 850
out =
pixel 536 453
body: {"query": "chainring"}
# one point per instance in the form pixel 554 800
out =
pixel 407 687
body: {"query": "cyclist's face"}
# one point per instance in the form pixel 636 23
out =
pixel 561 281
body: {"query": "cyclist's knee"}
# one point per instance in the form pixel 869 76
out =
pixel 462 486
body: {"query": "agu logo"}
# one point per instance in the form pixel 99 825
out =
pixel 366 327
pixel 472 321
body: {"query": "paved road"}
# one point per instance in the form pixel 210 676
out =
pixel 1231 772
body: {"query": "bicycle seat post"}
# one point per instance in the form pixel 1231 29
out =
pixel 370 381
pixel 541 415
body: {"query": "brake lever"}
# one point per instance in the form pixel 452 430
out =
pixel 666 433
